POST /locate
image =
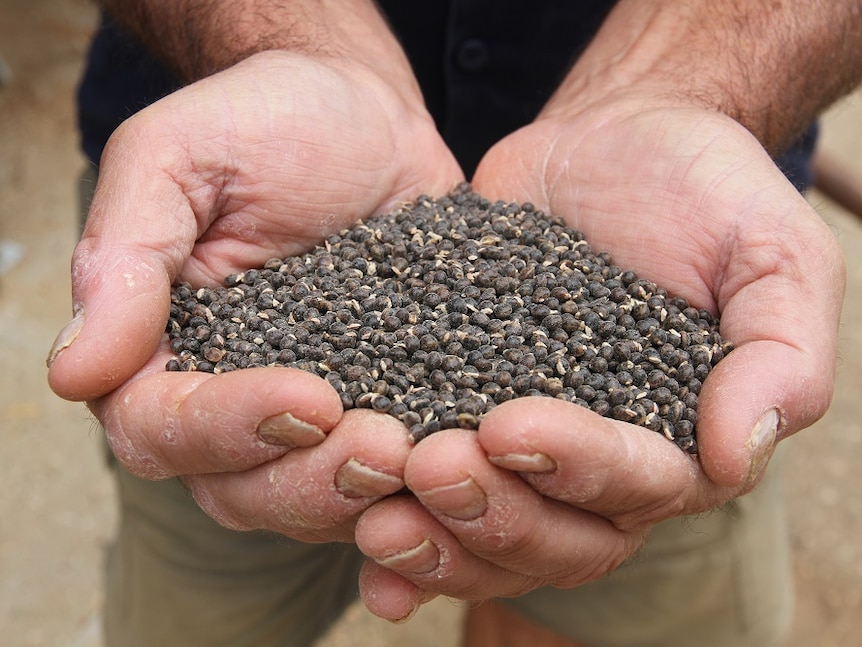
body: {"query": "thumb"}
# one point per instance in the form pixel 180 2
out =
pixel 121 305
pixel 122 270
pixel 781 303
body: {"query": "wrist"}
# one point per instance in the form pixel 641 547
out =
pixel 197 41
pixel 770 68
pixel 631 66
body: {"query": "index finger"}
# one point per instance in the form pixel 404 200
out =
pixel 164 424
pixel 628 474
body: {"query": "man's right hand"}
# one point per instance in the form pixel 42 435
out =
pixel 262 160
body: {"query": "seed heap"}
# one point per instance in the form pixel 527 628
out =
pixel 450 306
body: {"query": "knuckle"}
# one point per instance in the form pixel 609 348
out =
pixel 611 556
pixel 142 463
pixel 644 517
pixel 216 509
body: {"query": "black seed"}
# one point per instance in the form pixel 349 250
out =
pixel 661 396
pixel 449 307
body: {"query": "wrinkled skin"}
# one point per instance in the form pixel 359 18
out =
pixel 550 493
pixel 546 492
pixel 218 177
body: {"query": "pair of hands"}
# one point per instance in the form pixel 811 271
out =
pixel 266 158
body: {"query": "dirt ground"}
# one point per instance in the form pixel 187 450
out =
pixel 56 497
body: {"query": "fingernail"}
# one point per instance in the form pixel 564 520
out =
pixel 464 500
pixel 423 558
pixel 425 598
pixel 288 431
pixel 410 614
pixel 761 443
pixel 67 335
pixel 355 480
pixel 535 463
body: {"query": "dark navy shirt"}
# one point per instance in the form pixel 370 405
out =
pixel 486 68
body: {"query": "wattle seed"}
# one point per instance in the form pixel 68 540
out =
pixel 442 310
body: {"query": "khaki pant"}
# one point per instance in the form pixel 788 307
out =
pixel 177 578
pixel 721 579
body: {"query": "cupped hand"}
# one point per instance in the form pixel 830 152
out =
pixel 689 199
pixel 262 160
pixel 549 493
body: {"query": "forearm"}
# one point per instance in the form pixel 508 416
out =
pixel 772 66
pixel 200 37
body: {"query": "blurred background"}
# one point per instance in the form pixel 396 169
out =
pixel 56 500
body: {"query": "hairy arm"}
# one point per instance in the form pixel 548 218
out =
pixel 198 37
pixel 771 66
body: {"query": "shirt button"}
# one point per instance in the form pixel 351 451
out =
pixel 473 55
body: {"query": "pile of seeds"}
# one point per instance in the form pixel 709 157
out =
pixel 450 306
